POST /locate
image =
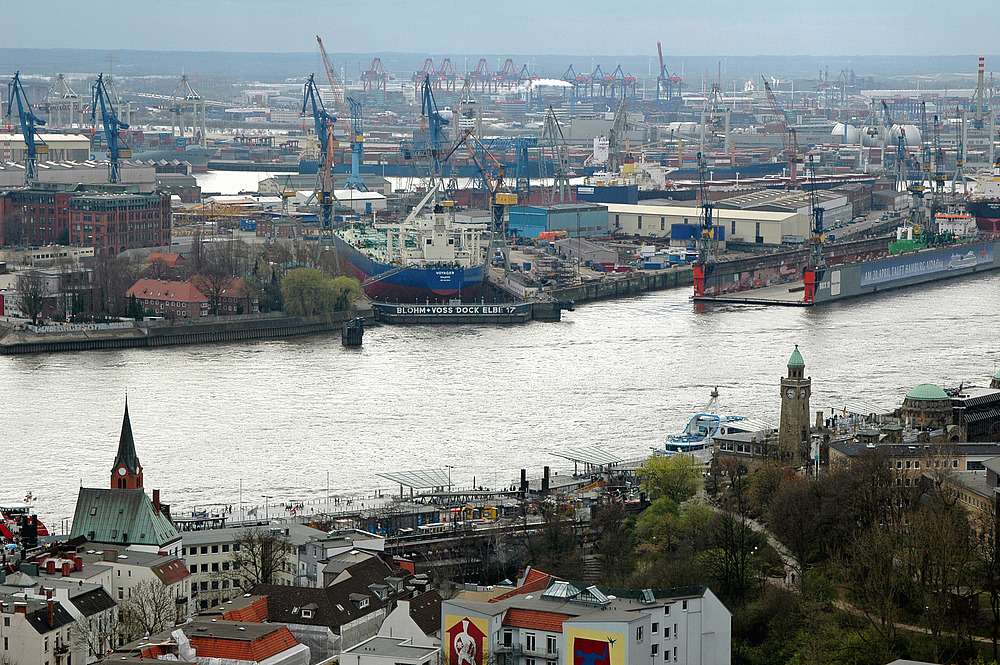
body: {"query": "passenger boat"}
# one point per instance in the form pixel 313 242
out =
pixel 703 427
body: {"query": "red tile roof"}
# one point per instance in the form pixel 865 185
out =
pixel 548 621
pixel 535 580
pixel 171 571
pixel 166 258
pixel 255 650
pixel 157 289
pixel 255 612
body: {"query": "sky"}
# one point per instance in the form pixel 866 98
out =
pixel 538 27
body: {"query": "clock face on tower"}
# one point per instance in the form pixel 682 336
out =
pixel 790 393
pixel 802 393
pixel 121 471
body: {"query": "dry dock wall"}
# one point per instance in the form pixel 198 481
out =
pixel 625 286
pixel 162 333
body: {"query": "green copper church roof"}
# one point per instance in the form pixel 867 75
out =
pixel 927 391
pixel 121 517
pixel 796 359
pixel 997 376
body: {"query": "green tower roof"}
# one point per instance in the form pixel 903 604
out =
pixel 796 359
pixel 927 391
pixel 997 376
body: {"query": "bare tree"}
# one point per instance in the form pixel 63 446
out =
pixel 12 229
pixel 988 560
pixel 32 289
pixel 259 556
pixel 98 633
pixel 150 608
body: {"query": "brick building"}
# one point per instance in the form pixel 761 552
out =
pixel 180 300
pixel 113 223
pixel 109 221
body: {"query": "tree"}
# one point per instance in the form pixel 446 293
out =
pixel 329 262
pixel 12 232
pixel 988 566
pixel 674 477
pixel 875 584
pixel 348 292
pixel 32 289
pixel 149 608
pixel 732 561
pixel 308 293
pixel 98 634
pixel 259 555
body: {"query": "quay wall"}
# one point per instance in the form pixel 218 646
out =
pixel 169 333
pixel 625 286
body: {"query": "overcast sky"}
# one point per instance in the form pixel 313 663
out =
pixel 541 27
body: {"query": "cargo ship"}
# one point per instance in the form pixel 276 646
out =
pixel 985 202
pixel 426 258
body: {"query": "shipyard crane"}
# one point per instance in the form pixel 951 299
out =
pixel 665 83
pixel 817 237
pixel 959 154
pixel 553 150
pixel 706 241
pixel 939 177
pixel 312 104
pixel 355 181
pixel 112 125
pixel 616 136
pixel 335 84
pixel 28 120
pixel 491 171
pixel 430 140
pixel 789 138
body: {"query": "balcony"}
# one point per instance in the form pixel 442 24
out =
pixel 513 649
pixel 61 649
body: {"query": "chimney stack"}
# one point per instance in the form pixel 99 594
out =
pixel 156 500
pixel 524 481
pixel 110 555
pixel 78 562
pixel 52 613
pixel 48 594
pixel 50 566
pixel 20 608
pixel 67 568
pixel 545 481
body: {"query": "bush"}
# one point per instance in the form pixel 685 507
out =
pixel 307 292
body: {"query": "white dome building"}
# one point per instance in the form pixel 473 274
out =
pixel 851 137
pixel 911 132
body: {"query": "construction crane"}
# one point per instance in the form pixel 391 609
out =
pixel 706 241
pixel 491 171
pixel 668 88
pixel 112 125
pixel 355 181
pixel 817 259
pixel 939 177
pixel 335 84
pixel 312 104
pixel 789 138
pixel 959 154
pixel 28 120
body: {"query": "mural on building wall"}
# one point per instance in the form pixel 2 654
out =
pixel 595 647
pixel 466 640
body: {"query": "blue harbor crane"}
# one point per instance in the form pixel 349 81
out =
pixel 817 258
pixel 312 104
pixel 15 92
pixel 112 125
pixel 432 139
pixel 355 181
pixel 706 242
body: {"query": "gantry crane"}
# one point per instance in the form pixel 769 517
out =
pixel 553 151
pixel 959 176
pixel 817 237
pixel 431 140
pixel 789 138
pixel 28 120
pixel 668 88
pixel 616 136
pixel 312 104
pixel 491 171
pixel 112 125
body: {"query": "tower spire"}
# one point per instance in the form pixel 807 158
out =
pixel 126 473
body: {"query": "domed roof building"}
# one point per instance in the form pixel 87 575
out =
pixel 927 406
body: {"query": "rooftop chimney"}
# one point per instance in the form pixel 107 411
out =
pixel 50 566
pixel 110 555
pixel 20 608
pixel 156 500
pixel 52 613
pixel 67 568
pixel 48 594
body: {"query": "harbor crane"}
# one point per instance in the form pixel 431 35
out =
pixel 430 140
pixel 335 85
pixel 553 151
pixel 355 181
pixel 706 241
pixel 28 120
pixel 789 138
pixel 312 104
pixel 491 171
pixel 817 258
pixel 616 136
pixel 112 125
pixel 959 154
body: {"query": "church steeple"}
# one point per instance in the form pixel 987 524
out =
pixel 126 473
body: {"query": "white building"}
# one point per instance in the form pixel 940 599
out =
pixel 35 632
pixel 653 221
pixel 566 619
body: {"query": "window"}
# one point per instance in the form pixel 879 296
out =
pixel 666 632
pixel 655 629
pixel 638 634
pixel 550 644
pixel 529 642
pixel 225 548
pixel 507 638
pixel 46 644
pixel 529 661
pixel 954 464
pixel 675 653
pixel 204 549
pixel 899 464
pixel 663 224
pixel 916 464
pixel 640 222
pixel 655 650
pixel 908 464
pixel 215 548
pixel 307 614
pixel 6 621
pixel 666 611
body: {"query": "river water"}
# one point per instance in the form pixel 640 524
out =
pixel 280 416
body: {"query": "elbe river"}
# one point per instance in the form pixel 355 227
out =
pixel 281 416
pixel 620 375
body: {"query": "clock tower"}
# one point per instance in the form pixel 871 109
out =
pixel 793 430
pixel 126 473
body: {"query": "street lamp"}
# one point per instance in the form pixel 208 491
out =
pixel 449 467
pixel 266 514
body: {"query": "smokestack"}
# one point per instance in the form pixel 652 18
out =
pixel 156 500
pixel 52 613
pixel 524 481
pixel 545 480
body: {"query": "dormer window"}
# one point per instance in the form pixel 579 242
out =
pixel 363 603
pixel 307 614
